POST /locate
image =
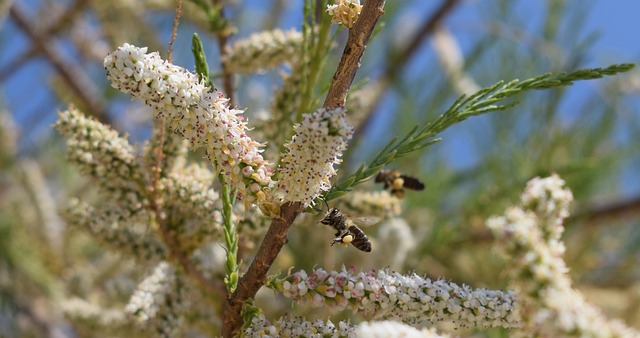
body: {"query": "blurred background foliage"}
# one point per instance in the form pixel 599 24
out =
pixel 52 55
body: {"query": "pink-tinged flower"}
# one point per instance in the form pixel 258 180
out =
pixel 408 298
pixel 310 156
pixel 198 113
pixel 292 326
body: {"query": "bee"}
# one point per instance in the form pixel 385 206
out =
pixel 347 231
pixel 397 182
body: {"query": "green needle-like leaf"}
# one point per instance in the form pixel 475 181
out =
pixel 482 102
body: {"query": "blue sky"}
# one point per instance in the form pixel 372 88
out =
pixel 28 97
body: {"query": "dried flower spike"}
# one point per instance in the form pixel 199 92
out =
pixel 345 12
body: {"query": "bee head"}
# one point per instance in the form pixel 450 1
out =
pixel 332 215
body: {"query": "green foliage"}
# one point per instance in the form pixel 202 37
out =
pixel 202 68
pixel 482 102
pixel 231 236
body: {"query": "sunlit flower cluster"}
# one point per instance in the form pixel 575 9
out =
pixel 550 201
pixel 408 298
pixel 263 50
pixel 385 329
pixel 156 301
pixel 294 326
pixel 148 298
pixel 307 165
pixel 345 12
pixel 530 236
pixel 200 114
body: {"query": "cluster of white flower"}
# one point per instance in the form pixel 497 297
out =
pixel 100 153
pixel 385 329
pixel 293 326
pixel 194 205
pixel 371 203
pixel 199 113
pixel 156 301
pixel 116 226
pixel 146 301
pixel 550 202
pixel 345 12
pixel 81 309
pixel 263 50
pixel 307 164
pixel 409 298
pixel 530 236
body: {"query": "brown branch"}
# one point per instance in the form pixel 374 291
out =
pixel 617 210
pixel 402 57
pixel 588 217
pixel 277 234
pixel 223 40
pixel 254 278
pixel 350 62
pixel 78 81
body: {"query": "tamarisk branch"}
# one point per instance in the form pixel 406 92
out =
pixel 276 236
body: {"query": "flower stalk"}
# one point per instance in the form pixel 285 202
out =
pixel 230 238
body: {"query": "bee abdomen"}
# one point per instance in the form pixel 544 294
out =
pixel 412 183
pixel 360 239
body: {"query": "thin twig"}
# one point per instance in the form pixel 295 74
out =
pixel 277 234
pixel 78 81
pixel 174 31
pixel 223 40
pixel 175 252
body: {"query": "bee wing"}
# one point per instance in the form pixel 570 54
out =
pixel 412 183
pixel 365 221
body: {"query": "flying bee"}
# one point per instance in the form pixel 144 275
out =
pixel 397 182
pixel 347 231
